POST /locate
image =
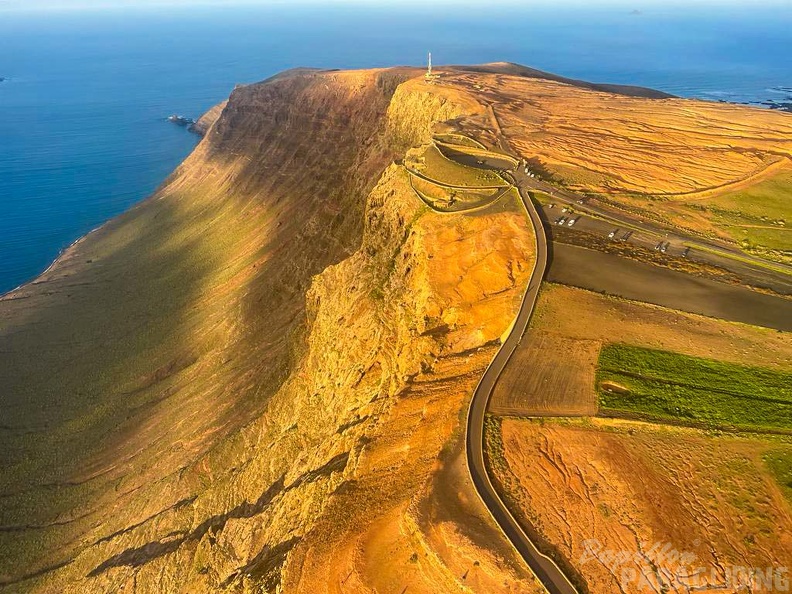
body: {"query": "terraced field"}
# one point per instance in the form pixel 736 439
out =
pixel 702 463
pixel 548 375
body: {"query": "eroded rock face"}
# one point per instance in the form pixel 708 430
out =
pixel 273 363
pixel 207 120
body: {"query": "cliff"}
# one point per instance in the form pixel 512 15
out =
pixel 256 379
pixel 207 120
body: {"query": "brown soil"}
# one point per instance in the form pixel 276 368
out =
pixel 618 486
pixel 549 374
pixel 623 277
pixel 585 315
pixel 552 371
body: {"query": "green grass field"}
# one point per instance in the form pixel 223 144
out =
pixel 665 385
pixel 757 216
pixel 768 200
pixel 458 139
pixel 780 464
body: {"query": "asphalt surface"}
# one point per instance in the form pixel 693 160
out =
pixel 649 233
pixel 614 275
pixel 553 579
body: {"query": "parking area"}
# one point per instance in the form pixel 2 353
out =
pixel 565 215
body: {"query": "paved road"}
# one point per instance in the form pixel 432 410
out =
pixel 545 569
pixel 720 253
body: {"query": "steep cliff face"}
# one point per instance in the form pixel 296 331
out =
pixel 267 364
pixel 207 120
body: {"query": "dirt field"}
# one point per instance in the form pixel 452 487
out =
pixel 597 489
pixel 553 370
pixel 581 314
pixel 549 375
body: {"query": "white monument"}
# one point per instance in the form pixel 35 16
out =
pixel 429 76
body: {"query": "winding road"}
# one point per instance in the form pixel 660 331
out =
pixel 543 567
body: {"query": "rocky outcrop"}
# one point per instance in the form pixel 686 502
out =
pixel 274 356
pixel 207 120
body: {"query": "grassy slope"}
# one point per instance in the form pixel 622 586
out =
pixel 758 214
pixel 436 166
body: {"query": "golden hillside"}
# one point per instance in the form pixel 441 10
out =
pixel 719 169
pixel 263 365
pixel 256 379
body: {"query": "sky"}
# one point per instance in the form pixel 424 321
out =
pixel 39 5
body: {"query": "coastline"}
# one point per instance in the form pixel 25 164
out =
pixel 7 296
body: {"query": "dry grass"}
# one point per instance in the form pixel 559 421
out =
pixel 627 486
pixel 658 147
pixel 436 166
pixel 548 375
pixel 651 155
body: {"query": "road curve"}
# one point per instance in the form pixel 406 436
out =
pixel 543 567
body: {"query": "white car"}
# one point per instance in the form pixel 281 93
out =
pixel 612 233
pixel 571 222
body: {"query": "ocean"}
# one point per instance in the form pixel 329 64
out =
pixel 83 110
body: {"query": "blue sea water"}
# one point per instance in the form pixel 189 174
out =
pixel 83 130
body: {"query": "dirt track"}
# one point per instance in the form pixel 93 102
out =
pixel 588 269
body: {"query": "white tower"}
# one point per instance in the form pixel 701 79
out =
pixel 429 68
